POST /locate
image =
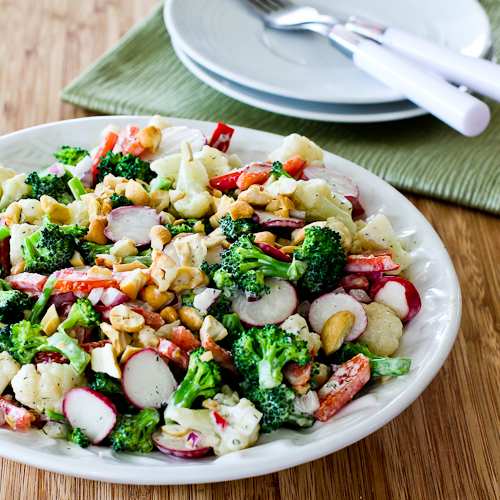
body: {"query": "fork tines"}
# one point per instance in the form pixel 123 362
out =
pixel 270 5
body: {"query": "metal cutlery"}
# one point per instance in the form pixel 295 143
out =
pixel 428 90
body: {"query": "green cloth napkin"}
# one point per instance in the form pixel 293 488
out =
pixel 142 75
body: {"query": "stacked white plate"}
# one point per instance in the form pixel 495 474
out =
pixel 224 44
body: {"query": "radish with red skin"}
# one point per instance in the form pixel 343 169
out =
pixel 272 308
pixel 355 282
pixel 95 295
pixel 90 411
pixel 267 219
pixel 274 252
pixel 378 261
pixel 203 300
pixel 30 283
pixel 398 294
pixel 147 380
pixel 179 446
pixel 173 353
pixel 112 297
pixel 331 303
pixel 131 222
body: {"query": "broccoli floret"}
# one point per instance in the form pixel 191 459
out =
pixel 102 382
pixel 187 298
pixel 325 259
pixel 24 341
pixel 82 313
pixel 233 229
pixel 70 155
pixel 219 278
pixel 78 437
pixel 161 183
pixel 50 248
pixel 118 200
pixel 133 432
pixel 49 185
pixel 248 266
pixel 278 171
pixel 89 250
pixel 380 366
pixel 5 341
pixel 261 353
pixel 276 406
pixel 13 303
pixel 128 166
pixel 209 269
pixel 203 379
pixel 187 226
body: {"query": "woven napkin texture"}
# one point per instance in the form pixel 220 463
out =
pixel 142 75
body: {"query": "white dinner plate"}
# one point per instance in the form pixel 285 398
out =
pixel 225 37
pixel 326 112
pixel 427 340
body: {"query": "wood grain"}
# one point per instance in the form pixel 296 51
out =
pixel 446 445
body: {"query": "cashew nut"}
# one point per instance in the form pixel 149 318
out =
pixel 124 319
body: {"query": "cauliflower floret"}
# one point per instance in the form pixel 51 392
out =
pixel 378 234
pixel 8 368
pixel 43 387
pixel 191 195
pixel 167 166
pixel 239 430
pixel 18 232
pixel 79 213
pixel 31 211
pixel 14 188
pixel 283 185
pixel 214 161
pixel 297 325
pixel 298 145
pixel 316 198
pixel 383 331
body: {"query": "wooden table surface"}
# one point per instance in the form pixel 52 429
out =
pixel 444 446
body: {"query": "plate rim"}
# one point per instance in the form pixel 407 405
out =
pixel 255 84
pixel 201 73
pixel 191 474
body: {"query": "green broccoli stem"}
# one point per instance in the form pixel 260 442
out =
pixel 143 259
pixel 4 232
pixel 76 187
pixel 40 304
pixel 63 343
pixel 268 265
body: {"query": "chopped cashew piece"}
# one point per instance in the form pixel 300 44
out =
pixel 103 360
pixel 188 278
pixel 134 282
pixel 255 195
pixel 123 318
pixel 50 320
pixel 335 330
pixel 160 236
pixel 136 193
pixel 124 248
pixel 129 350
pixel 155 298
pixel 190 318
pixel 57 212
pixel 119 339
pixel 147 337
pixel 241 210
pixel 96 230
pixel 163 270
pixel 76 260
pixel 212 328
pixel 150 137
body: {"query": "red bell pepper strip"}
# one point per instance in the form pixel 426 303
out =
pixel 107 144
pixel 128 142
pixel 294 166
pixel 184 338
pixel 31 283
pixel 344 384
pixel 226 182
pixel 78 280
pixel 152 319
pixel 173 353
pixel 221 137
pixel 255 173
pixel 368 262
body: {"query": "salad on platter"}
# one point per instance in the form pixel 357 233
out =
pixel 156 293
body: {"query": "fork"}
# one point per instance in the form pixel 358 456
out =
pixel 460 110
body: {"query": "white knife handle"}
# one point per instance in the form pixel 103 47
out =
pixel 458 109
pixel 477 74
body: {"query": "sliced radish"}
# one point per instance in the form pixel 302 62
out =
pixel 272 308
pixel 91 411
pixel 371 262
pixel 399 294
pixel 274 252
pixel 131 222
pixel 173 137
pixel 203 300
pixel 112 297
pixel 330 303
pixel 147 380
pixel 31 283
pixel 181 446
pixel 267 219
pixel 83 170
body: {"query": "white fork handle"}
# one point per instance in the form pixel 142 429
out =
pixel 458 109
pixel 477 74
